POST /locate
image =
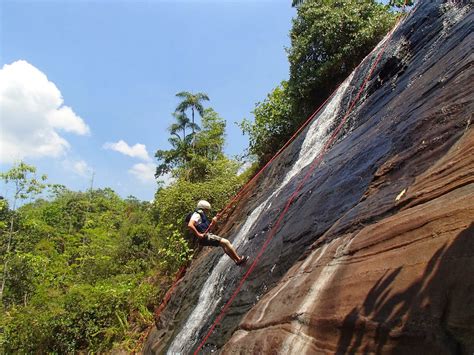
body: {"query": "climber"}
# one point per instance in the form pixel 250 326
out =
pixel 199 224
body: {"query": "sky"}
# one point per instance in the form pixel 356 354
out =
pixel 87 88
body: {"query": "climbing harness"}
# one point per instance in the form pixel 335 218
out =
pixel 205 224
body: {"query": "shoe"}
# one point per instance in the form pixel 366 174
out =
pixel 243 260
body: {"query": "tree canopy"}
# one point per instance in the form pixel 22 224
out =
pixel 77 271
pixel 195 163
pixel 329 38
pixel 193 102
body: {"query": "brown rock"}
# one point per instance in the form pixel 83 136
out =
pixel 403 284
pixel 376 252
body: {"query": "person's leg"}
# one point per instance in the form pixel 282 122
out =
pixel 229 250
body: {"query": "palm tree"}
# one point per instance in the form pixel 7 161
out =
pixel 182 122
pixel 193 102
pixel 181 144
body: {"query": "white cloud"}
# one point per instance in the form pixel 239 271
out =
pixel 32 113
pixel 137 151
pixel 144 172
pixel 80 167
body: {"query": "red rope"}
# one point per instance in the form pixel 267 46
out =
pixel 315 162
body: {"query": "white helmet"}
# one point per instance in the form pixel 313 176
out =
pixel 204 205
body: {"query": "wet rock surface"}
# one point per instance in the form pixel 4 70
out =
pixel 376 253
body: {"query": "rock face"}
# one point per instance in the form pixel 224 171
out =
pixel 376 251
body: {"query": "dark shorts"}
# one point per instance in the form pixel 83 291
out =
pixel 210 240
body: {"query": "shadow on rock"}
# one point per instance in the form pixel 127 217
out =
pixel 435 314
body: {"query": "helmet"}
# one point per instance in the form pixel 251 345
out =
pixel 203 205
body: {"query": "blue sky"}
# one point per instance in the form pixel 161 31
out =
pixel 89 85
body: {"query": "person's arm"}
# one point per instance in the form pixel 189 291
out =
pixel 213 223
pixel 192 227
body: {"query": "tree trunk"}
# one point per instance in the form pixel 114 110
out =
pixel 5 265
pixel 185 158
pixel 192 111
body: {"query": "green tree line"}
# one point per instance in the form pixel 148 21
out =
pixel 79 271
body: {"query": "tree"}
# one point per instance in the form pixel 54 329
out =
pixel 329 38
pixel 401 3
pixel 174 157
pixel 193 102
pixel 4 211
pixel 179 155
pixel 82 272
pixel 182 122
pixel 271 125
pixel 397 3
pixel 210 141
pixel 26 185
pixel 208 147
pixel 183 142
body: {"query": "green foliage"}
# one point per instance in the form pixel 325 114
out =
pixel 175 249
pixel 24 270
pixel 195 164
pixel 401 3
pixel 86 269
pixel 398 3
pixel 208 149
pixel 186 155
pixel 26 185
pixel 91 317
pixel 94 318
pixel 27 330
pixel 193 102
pixel 329 38
pixel 3 214
pixel 179 155
pixel 272 123
pixel 182 123
pixel 210 142
pixel 78 274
